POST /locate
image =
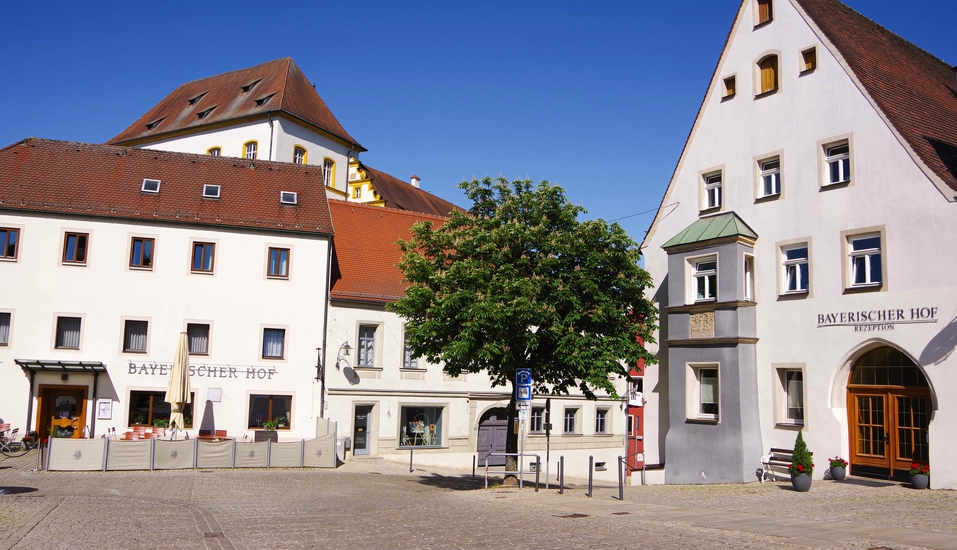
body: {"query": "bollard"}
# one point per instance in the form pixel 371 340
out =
pixel 621 483
pixel 410 461
pixel 538 470
pixel 561 475
pixel 474 458
pixel 591 470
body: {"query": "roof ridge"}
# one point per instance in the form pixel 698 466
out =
pixel 194 81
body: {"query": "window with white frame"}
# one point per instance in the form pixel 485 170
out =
pixel 770 177
pixel 366 354
pixel 68 332
pixel 706 280
pixel 794 392
pixel 328 172
pixel 5 328
pixel 796 268
pixel 198 338
pixel 249 149
pixel 298 155
pixel 837 159
pixel 712 190
pixel 601 421
pixel 409 361
pixel 421 426
pixel 536 421
pixel 864 255
pixel 134 336
pixel 274 343
pixel 570 424
pixel 703 392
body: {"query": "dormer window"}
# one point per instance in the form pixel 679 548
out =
pixel 204 114
pixel 150 186
pixel 214 151
pixel 155 123
pixel 765 12
pixel 249 86
pixel 211 191
pixel 288 197
pixel 197 98
pixel 263 100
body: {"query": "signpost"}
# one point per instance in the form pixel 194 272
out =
pixel 523 403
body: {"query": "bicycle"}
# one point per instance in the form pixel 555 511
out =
pixel 10 447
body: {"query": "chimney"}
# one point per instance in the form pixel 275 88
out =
pixel 415 181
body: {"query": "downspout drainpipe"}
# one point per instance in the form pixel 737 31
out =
pixel 325 331
pixel 269 116
pixel 96 379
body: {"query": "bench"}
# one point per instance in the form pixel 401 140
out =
pixel 775 463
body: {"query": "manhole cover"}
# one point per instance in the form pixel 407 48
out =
pixel 574 516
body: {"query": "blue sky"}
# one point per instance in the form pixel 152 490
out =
pixel 596 96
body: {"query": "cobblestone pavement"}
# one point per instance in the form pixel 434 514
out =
pixel 378 504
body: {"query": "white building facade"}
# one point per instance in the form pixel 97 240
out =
pixel 801 255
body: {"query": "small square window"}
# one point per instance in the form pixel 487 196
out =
pixel 150 186
pixel 288 197
pixel 765 12
pixel 712 190
pixel 808 59
pixel 864 254
pixel 278 263
pixel 134 336
pixel 770 177
pixel 569 425
pixel 141 253
pixel 5 328
pixel 357 192
pixel 796 268
pixel 211 191
pixel 68 332
pixel 203 257
pixel 601 421
pixel 9 243
pixel 838 161
pixel 729 87
pixel 197 335
pixel 74 248
pixel 274 340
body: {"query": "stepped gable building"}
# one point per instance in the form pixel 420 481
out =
pixel 115 251
pixel 802 254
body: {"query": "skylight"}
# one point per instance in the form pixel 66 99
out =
pixel 150 186
pixel 153 124
pixel 197 98
pixel 211 191
pixel 288 197
pixel 204 114
pixel 265 99
pixel 249 86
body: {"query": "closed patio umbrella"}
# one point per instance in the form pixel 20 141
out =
pixel 178 390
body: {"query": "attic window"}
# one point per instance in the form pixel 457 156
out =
pixel 249 86
pixel 204 114
pixel 150 186
pixel 808 60
pixel 156 122
pixel 288 197
pixel 265 99
pixel 729 87
pixel 765 12
pixel 211 191
pixel 197 98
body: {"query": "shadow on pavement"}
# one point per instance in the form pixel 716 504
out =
pixel 463 482
pixel 16 490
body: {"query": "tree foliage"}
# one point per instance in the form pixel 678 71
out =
pixel 519 281
pixel 801 460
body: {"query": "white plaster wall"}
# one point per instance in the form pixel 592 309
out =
pixel 291 134
pixel 237 301
pixel 887 189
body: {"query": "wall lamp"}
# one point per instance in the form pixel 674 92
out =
pixel 344 350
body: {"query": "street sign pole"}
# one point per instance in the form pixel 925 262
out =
pixel 523 402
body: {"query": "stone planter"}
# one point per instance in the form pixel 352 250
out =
pixel 801 483
pixel 838 474
pixel 919 481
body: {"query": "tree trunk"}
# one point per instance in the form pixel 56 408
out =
pixel 511 442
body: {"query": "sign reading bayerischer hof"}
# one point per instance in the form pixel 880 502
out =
pixel 877 319
pixel 204 371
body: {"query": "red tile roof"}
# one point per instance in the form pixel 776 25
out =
pixel 291 93
pixel 366 255
pixel 403 196
pixel 39 175
pixel 915 90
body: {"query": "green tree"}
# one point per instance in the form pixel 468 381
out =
pixel 801 457
pixel 519 281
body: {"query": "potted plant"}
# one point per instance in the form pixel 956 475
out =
pixel 160 422
pixel 838 468
pixel 268 432
pixel 919 475
pixel 801 466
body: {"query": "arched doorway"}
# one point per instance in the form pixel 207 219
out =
pixel 492 433
pixel 888 407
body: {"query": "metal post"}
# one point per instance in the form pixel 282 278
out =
pixel 486 471
pixel 521 457
pixel 561 475
pixel 591 470
pixel 410 460
pixel 621 484
pixel 538 470
pixel 474 458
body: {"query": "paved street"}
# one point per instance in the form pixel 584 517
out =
pixel 376 504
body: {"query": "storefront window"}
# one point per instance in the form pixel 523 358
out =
pixel 421 426
pixel 147 406
pixel 269 408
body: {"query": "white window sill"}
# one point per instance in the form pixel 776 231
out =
pixel 790 424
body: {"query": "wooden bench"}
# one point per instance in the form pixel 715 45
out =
pixel 776 463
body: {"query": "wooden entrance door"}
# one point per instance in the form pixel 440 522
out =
pixel 888 403
pixel 492 436
pixel 62 408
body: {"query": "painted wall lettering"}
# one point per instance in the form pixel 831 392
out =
pixel 202 371
pixel 877 319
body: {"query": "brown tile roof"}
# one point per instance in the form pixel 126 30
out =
pixel 402 195
pixel 366 256
pixel 39 175
pixel 291 93
pixel 916 91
